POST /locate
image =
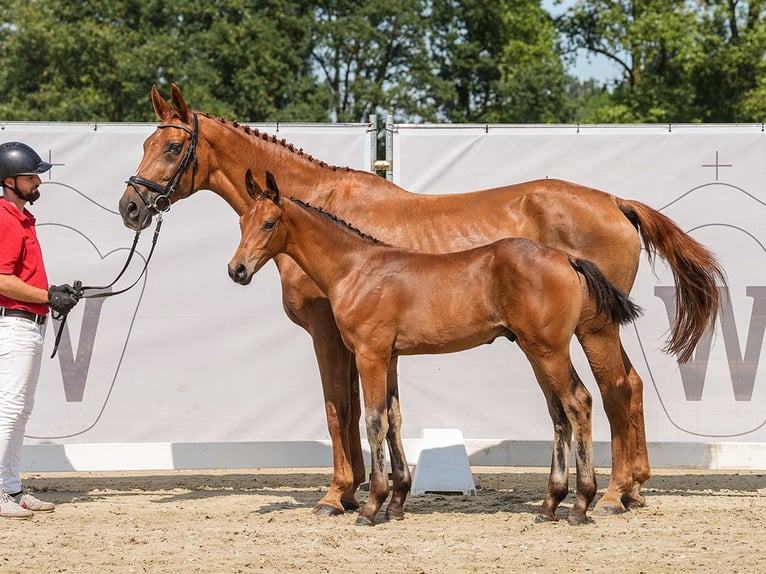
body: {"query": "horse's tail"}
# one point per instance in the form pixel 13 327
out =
pixel 607 297
pixel 696 272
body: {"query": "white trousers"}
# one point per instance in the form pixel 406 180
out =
pixel 21 349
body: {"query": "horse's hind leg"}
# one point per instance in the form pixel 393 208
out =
pixel 399 469
pixel 641 469
pixel 606 358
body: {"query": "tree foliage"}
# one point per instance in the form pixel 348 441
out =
pixel 423 60
pixel 681 60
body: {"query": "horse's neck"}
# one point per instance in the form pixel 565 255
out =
pixel 325 250
pixel 231 151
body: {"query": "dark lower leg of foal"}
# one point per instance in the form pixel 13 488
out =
pixel 558 481
pixel 579 412
pixel 400 471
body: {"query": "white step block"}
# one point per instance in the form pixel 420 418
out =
pixel 443 464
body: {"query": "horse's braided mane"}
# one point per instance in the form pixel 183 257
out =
pixel 273 139
pixel 338 220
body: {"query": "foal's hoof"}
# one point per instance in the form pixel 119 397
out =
pixel 634 501
pixel 608 508
pixel 576 519
pixel 322 509
pixel 541 518
pixel 394 514
pixel 364 521
pixel 350 505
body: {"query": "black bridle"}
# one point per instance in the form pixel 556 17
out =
pixel 162 200
pixel 160 204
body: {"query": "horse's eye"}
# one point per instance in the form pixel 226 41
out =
pixel 174 148
pixel 269 225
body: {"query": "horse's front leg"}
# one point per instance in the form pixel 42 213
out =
pixel 373 372
pixel 400 470
pixel 341 395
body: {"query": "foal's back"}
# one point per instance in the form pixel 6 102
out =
pixel 426 303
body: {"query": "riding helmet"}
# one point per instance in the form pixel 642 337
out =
pixel 17 158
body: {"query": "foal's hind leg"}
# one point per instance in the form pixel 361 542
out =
pixel 558 479
pixel 570 407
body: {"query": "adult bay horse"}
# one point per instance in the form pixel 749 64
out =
pixel 191 151
pixel 390 301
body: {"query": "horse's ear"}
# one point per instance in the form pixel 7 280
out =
pixel 161 107
pixel 271 187
pixel 253 189
pixel 179 103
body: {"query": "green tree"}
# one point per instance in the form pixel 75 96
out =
pixel 654 42
pixel 492 62
pixel 97 60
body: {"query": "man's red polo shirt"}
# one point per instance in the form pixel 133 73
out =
pixel 20 254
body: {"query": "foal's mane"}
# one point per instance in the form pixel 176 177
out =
pixel 257 134
pixel 335 219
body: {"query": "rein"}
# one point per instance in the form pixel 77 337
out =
pixel 160 204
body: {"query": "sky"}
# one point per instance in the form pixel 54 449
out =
pixel 587 66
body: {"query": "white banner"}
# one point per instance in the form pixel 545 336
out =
pixel 189 370
pixel 708 179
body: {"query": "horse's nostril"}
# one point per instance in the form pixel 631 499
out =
pixel 132 209
pixel 240 271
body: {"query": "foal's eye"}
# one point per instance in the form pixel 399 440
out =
pixel 269 225
pixel 174 148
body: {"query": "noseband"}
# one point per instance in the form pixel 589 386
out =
pixel 162 201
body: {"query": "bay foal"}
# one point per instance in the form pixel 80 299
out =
pixel 389 302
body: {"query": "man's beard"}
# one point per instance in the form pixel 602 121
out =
pixel 31 196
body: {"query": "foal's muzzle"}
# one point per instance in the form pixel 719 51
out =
pixel 239 274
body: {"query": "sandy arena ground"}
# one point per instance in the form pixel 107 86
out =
pixel 222 521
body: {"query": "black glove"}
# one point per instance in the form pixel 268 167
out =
pixel 63 298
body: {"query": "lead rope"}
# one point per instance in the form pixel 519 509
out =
pixel 78 286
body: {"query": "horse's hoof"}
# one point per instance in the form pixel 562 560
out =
pixel 350 505
pixel 364 521
pixel 322 509
pixel 608 508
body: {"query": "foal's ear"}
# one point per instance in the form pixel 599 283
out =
pixel 253 189
pixel 179 103
pixel 271 187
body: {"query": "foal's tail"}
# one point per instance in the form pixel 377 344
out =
pixel 608 298
pixel 696 272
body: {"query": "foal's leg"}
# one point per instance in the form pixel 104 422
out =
pixel 373 372
pixel 570 407
pixel 578 405
pixel 603 349
pixel 400 470
pixel 558 480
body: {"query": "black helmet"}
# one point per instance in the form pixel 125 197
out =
pixel 17 158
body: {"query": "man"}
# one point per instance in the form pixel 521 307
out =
pixel 25 300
